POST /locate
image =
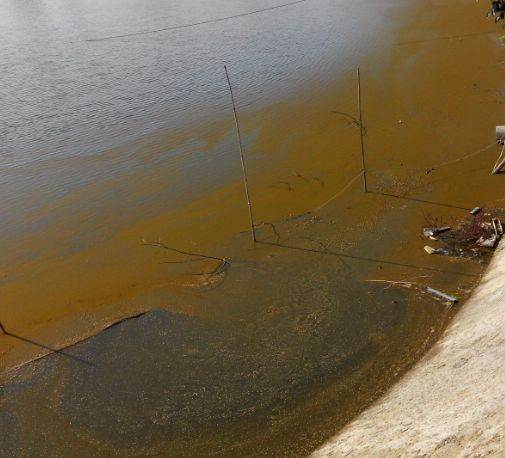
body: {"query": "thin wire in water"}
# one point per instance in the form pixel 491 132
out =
pixel 194 24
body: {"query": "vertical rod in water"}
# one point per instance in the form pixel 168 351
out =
pixel 244 173
pixel 361 134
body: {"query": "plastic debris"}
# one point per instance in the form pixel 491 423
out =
pixel 442 295
pixel 497 226
pixel 428 232
pixel 497 10
pixel 433 231
pixel 488 242
pixel 431 250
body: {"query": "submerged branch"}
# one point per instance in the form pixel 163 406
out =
pixel 221 268
pixel 160 244
pixel 355 122
pixel 271 226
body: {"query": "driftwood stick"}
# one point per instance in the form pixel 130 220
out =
pixel 3 329
pixel 244 172
pixel 361 134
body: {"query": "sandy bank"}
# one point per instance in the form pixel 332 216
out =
pixel 453 402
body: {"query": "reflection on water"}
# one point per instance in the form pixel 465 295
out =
pixel 64 96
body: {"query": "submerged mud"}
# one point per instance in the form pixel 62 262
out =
pixel 278 351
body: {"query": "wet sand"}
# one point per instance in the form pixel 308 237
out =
pixel 290 330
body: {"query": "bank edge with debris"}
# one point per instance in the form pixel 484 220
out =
pixel 453 402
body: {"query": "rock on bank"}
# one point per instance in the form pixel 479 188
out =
pixel 452 404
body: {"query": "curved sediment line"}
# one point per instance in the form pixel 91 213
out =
pixel 453 401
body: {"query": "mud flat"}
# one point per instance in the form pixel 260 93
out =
pixel 453 402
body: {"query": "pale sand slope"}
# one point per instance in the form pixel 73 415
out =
pixel 452 404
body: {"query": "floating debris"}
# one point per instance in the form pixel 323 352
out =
pixel 473 238
pixel 428 232
pixel 497 226
pixel 431 250
pixel 442 295
pixel 489 242
pixel 497 10
pixel 433 231
pixel 421 289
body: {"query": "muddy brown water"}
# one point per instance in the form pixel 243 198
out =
pixel 272 355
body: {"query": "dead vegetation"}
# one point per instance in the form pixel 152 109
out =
pixel 352 120
pixel 216 275
pixel 475 237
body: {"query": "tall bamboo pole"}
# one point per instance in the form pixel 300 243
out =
pixel 244 172
pixel 361 134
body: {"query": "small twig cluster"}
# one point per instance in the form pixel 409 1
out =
pixel 431 220
pixel 222 266
pixel 479 226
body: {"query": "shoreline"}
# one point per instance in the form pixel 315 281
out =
pixel 452 403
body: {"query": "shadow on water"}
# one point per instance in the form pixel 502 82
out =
pixel 362 258
pixel 45 347
pixel 413 199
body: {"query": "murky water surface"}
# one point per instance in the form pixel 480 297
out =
pixel 116 151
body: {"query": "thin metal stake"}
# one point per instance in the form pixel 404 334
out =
pixel 239 139
pixel 361 133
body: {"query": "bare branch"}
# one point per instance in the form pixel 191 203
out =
pixel 175 250
pixel 221 268
pixel 355 122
